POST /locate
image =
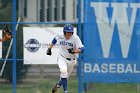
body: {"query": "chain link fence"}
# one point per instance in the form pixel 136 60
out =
pixel 43 13
pixel 6 54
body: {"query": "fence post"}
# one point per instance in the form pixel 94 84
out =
pixel 138 46
pixel 79 63
pixel 14 43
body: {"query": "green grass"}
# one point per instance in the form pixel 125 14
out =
pixel 44 86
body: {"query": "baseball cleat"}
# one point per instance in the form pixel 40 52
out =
pixel 55 88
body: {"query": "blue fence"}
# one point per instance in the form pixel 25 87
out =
pixel 112 52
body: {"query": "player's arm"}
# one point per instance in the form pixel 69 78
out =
pixel 79 46
pixel 79 50
pixel 49 52
pixel 1 40
pixel 51 46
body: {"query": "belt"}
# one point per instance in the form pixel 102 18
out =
pixel 69 59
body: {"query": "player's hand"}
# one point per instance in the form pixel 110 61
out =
pixel 49 52
pixel 70 50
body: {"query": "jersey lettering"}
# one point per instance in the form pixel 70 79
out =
pixel 66 43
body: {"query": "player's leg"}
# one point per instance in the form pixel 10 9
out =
pixel 55 88
pixel 59 83
pixel 63 72
pixel 62 66
pixel 70 67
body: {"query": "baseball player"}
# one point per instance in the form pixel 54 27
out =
pixel 69 46
pixel 7 35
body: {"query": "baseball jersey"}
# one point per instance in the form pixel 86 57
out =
pixel 64 44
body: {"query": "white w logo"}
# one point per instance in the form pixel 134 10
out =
pixel 119 16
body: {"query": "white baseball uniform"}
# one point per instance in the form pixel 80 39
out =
pixel 66 60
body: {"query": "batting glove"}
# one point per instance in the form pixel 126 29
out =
pixel 70 50
pixel 49 52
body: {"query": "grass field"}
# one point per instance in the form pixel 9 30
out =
pixel 44 86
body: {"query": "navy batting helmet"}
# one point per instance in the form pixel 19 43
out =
pixel 68 28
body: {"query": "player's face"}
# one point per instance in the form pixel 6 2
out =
pixel 68 35
pixel 7 36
